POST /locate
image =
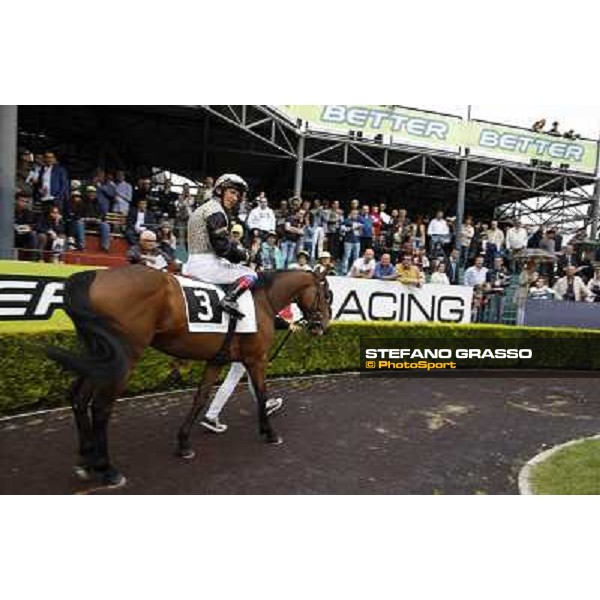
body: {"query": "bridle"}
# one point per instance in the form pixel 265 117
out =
pixel 313 317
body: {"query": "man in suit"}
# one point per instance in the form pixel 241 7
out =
pixel 139 219
pixel 52 185
pixel 452 268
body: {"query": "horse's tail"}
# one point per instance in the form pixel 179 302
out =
pixel 105 358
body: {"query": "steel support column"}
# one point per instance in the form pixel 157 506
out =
pixel 595 211
pixel 205 134
pixel 460 206
pixel 299 166
pixel 8 171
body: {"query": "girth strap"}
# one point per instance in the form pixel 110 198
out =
pixel 222 356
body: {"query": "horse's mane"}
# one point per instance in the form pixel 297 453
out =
pixel 267 279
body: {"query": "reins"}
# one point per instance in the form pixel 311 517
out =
pixel 279 348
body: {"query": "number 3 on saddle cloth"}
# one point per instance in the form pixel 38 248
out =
pixel 204 315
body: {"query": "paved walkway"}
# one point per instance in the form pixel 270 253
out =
pixel 343 435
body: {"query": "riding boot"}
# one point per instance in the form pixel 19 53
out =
pixel 229 302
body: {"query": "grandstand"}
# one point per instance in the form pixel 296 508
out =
pixel 276 148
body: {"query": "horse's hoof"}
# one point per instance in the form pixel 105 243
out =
pixel 186 454
pixel 112 479
pixel 273 440
pixel 82 472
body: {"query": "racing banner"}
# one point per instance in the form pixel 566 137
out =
pixel 373 300
pixel 31 298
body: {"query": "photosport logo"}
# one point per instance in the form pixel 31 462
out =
pixel 468 357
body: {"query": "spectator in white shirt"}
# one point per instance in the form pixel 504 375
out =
pixel 123 195
pixel 495 236
pixel 476 275
pixel 363 268
pixel 440 277
pixel 438 230
pixel 516 238
pixel 467 232
pixel 261 219
pixel 571 288
pixel 261 196
pixel 385 217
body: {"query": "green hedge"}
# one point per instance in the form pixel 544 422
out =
pixel 28 380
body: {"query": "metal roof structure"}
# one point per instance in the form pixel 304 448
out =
pixel 277 153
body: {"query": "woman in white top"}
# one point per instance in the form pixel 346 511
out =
pixel 440 277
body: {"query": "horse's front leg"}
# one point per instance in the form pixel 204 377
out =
pixel 258 382
pixel 184 450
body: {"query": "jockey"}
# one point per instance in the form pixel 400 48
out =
pixel 213 256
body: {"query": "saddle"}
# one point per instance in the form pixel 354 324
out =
pixel 203 310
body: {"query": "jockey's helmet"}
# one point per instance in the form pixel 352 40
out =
pixel 230 180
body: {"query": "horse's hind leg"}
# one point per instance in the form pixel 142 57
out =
pixel 102 406
pixel 184 448
pixel 80 395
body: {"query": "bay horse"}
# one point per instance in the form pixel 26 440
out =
pixel 118 313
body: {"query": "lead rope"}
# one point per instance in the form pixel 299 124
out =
pixel 283 342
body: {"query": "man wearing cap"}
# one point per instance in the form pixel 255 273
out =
pixel 237 234
pixel 147 253
pixel 213 256
pixel 270 257
pixel 325 265
pixel 303 263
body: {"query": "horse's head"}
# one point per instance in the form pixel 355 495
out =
pixel 314 301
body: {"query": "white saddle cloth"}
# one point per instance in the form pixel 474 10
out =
pixel 204 314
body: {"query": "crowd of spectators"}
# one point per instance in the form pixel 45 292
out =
pixel 359 240
pixel 53 213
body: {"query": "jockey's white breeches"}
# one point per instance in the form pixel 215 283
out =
pixel 212 269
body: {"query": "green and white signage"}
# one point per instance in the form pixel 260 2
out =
pixel 403 124
pixel 511 143
pixel 433 130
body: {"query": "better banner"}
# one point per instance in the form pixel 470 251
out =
pixel 520 145
pixel 404 125
pixel 449 133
